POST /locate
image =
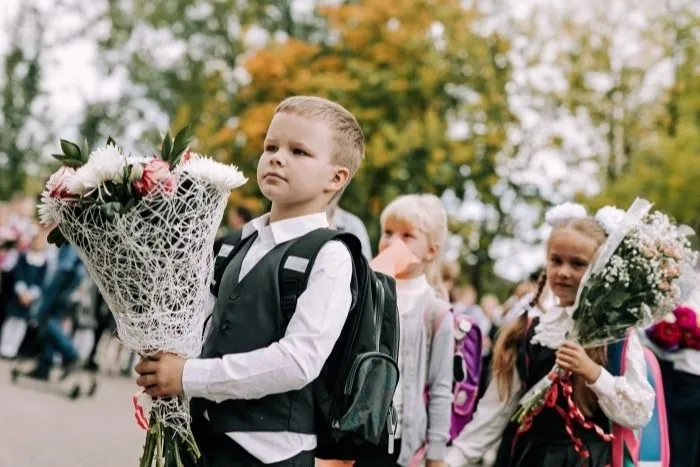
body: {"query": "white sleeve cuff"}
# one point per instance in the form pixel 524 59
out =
pixel 35 291
pixel 455 458
pixel 195 376
pixel 20 287
pixel 604 386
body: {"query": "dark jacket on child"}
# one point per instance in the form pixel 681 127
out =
pixel 28 275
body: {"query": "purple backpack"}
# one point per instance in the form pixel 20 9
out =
pixel 466 366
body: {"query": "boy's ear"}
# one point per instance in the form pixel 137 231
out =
pixel 340 178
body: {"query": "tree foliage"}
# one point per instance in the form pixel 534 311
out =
pixel 666 168
pixel 21 70
pixel 412 72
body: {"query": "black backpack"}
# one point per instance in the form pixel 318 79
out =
pixel 353 395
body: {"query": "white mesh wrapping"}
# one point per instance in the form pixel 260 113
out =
pixel 152 265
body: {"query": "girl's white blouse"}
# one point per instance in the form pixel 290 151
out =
pixel 627 400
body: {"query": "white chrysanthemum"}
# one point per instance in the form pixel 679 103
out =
pixel 564 212
pixel 104 164
pixel 222 176
pixel 48 210
pixel 610 217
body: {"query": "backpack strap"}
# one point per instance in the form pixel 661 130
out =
pixel 436 312
pixel 654 444
pixel 225 249
pixel 298 261
pixel 625 448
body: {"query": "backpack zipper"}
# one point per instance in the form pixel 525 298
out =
pixel 378 311
pixel 334 422
pixel 356 365
pixel 393 419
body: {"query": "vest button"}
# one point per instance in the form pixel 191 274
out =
pixel 225 326
pixel 235 295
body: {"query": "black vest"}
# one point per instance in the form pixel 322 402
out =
pixel 247 317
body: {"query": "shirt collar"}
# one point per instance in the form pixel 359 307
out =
pixel 286 229
pixel 415 284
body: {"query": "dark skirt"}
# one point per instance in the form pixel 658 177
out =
pixel 684 419
pixel 546 443
pixel 530 451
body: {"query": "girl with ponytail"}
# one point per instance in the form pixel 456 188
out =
pixel 527 350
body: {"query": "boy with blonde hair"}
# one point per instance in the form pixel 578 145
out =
pixel 252 400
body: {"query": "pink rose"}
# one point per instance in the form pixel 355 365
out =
pixel 686 318
pixel 156 173
pixel 670 251
pixel 648 252
pixel 57 183
pixel 672 271
pixel 169 184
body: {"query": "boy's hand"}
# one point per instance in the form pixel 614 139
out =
pixel 161 374
pixel 574 358
pixel 430 463
pixel 25 299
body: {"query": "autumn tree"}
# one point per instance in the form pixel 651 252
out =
pixel 427 88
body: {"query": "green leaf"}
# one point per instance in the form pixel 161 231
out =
pixel 129 205
pixel 56 237
pixel 167 147
pixel 111 209
pixel 182 140
pixel 68 161
pixel 73 163
pixel 86 150
pixel 70 149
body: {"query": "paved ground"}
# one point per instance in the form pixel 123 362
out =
pixel 40 427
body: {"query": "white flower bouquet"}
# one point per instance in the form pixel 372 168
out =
pixel 145 228
pixel 642 272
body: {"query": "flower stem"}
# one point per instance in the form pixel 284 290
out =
pixel 159 446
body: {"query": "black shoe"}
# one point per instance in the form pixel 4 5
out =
pixel 37 375
pixel 69 367
pixel 92 367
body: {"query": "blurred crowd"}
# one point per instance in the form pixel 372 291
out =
pixel 50 310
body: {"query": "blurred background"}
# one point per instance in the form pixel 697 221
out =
pixel 501 107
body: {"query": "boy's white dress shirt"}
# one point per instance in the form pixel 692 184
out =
pixel 296 359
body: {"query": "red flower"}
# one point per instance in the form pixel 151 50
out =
pixel 686 318
pixel 666 335
pixel 691 339
pixel 156 173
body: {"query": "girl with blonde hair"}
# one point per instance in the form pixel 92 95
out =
pixel 426 346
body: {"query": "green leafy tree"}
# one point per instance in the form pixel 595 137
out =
pixel 666 168
pixel 19 89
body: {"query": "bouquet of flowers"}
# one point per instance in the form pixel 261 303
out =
pixel 639 275
pixel 678 330
pixel 144 227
